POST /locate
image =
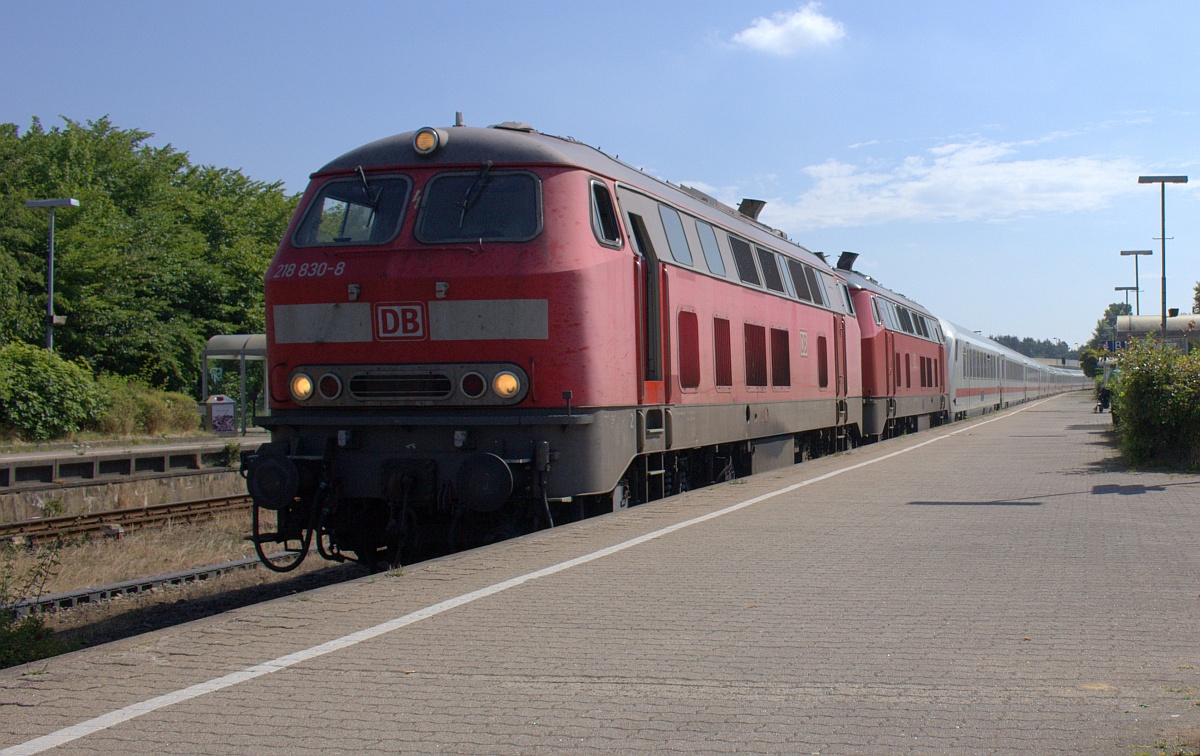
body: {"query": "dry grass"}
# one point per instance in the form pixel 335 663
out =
pixel 147 552
pixel 158 551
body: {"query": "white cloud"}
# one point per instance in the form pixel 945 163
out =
pixel 974 180
pixel 789 33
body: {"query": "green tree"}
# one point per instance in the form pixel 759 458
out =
pixel 1049 348
pixel 1106 325
pixel 161 254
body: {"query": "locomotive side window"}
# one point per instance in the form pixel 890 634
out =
pixel 480 205
pixel 846 298
pixel 712 253
pixel 770 269
pixel 689 350
pixel 354 212
pixel 723 352
pixel 676 239
pixel 816 286
pixel 781 358
pixel 800 279
pixel 875 311
pixel 745 261
pixel 604 217
pixel 756 355
pixel 787 277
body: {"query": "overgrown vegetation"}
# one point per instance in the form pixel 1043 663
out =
pixel 43 396
pixel 160 255
pixel 134 408
pixel 24 576
pixel 1156 404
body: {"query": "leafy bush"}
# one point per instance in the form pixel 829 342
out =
pixel 42 396
pixel 136 408
pixel 1158 402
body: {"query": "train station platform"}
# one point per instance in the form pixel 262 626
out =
pixel 993 586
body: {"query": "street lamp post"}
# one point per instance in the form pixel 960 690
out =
pixel 1162 182
pixel 51 319
pixel 1125 289
pixel 1136 278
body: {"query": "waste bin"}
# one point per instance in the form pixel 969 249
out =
pixel 218 414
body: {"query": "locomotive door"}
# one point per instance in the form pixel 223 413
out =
pixel 652 386
pixel 839 366
pixel 889 347
pixel 651 292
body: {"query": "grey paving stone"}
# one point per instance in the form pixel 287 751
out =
pixel 1005 589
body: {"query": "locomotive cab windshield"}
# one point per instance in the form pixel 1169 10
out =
pixel 352 211
pixel 483 205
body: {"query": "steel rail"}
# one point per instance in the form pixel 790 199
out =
pixel 48 528
pixel 81 596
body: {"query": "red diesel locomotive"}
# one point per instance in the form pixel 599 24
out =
pixel 476 332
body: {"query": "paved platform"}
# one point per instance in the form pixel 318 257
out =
pixel 997 586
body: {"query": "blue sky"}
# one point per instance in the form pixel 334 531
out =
pixel 981 157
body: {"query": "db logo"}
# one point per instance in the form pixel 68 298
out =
pixel 400 321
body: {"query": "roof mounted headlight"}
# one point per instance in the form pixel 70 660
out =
pixel 429 140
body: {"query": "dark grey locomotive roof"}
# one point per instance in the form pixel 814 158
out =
pixel 466 144
pixel 863 281
pixel 519 143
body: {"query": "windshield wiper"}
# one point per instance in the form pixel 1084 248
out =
pixel 372 198
pixel 474 193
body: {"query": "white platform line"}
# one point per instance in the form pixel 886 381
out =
pixel 113 718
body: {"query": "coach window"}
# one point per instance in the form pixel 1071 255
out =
pixel 482 205
pixel 744 259
pixel 676 239
pixel 604 217
pixel 351 212
pixel 770 269
pixel 712 253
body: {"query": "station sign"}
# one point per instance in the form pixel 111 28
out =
pixel 1114 346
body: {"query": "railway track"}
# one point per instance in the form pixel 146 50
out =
pixel 116 521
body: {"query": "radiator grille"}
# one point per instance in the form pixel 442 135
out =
pixel 401 386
